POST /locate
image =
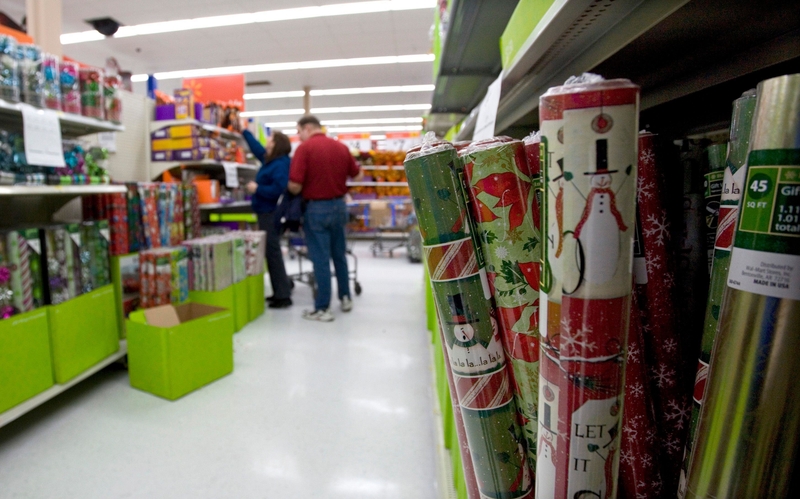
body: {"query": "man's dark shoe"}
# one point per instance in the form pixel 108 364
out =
pixel 280 303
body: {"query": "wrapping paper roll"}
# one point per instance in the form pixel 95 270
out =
pixel 52 82
pixel 135 227
pixel 733 184
pixel 470 331
pixel 502 198
pixel 747 438
pixel 70 87
pixel 655 279
pixel 599 133
pixel 112 101
pixel 712 184
pixel 639 463
pixel 91 88
pixel 148 202
pixel 60 279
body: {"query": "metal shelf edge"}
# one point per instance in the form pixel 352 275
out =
pixel 59 190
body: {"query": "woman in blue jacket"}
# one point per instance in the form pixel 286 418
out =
pixel 270 183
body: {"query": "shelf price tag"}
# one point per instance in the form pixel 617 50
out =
pixel 487 112
pixel 42 137
pixel 231 174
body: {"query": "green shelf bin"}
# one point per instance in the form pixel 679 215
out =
pixel 25 366
pixel 255 296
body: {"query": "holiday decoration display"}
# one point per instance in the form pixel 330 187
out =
pixel 663 347
pixel 749 426
pixel 70 87
pixel 30 73
pixel 51 82
pixel 499 182
pixel 582 368
pixel 91 88
pixel 471 337
pixel 733 184
pixel 9 69
pixel 111 98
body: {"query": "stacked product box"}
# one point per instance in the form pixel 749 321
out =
pixel 164 275
pixel 184 143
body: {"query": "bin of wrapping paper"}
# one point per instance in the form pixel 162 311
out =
pixel 174 350
pixel 227 298
pixel 241 305
pixel 83 331
pixel 126 280
pixel 25 368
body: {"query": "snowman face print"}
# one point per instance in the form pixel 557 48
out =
pixel 601 181
pixel 464 333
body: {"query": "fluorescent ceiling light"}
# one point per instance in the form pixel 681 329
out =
pixel 373 121
pixel 357 129
pixel 288 66
pixel 343 91
pixel 274 95
pixel 335 110
pixel 342 9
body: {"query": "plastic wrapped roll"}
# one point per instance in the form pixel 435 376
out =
pixel 52 82
pixel 713 190
pixel 471 335
pixel 733 183
pixel 91 85
pixel 113 102
pixel 30 74
pixel 599 131
pixel 500 188
pixel 70 87
pixel 747 437
pixel 9 69
pixel 655 279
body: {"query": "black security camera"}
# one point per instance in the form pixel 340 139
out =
pixel 105 25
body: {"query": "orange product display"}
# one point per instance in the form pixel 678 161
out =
pixel 207 190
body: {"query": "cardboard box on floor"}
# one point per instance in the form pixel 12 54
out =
pixel 173 350
pixel 380 214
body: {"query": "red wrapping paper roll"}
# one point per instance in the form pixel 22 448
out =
pixel 595 217
pixel 655 288
pixel 639 463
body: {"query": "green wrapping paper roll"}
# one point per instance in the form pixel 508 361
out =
pixel 732 185
pixel 747 438
pixel 717 154
pixel 472 341
pixel 502 197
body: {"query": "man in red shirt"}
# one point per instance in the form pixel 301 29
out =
pixel 319 171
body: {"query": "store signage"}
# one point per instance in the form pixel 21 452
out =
pixel 42 132
pixel 217 88
pixel 402 141
pixel 360 141
pixel 487 112
pixel 231 174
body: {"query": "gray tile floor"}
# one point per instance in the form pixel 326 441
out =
pixel 312 410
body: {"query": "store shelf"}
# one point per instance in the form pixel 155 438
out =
pixel 32 403
pixel 59 190
pixel 236 205
pixel 72 125
pixel 159 167
pixel 223 132
pixel 382 167
pixel 470 58
pixel 377 184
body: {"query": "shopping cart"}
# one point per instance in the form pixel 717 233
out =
pixel 385 220
pixel 297 250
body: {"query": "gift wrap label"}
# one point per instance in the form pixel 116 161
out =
pixel 766 253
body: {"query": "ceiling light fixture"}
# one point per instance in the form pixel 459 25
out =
pixel 342 9
pixel 342 91
pixel 288 66
pixel 335 110
pixel 374 121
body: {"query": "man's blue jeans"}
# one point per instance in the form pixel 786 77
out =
pixel 324 223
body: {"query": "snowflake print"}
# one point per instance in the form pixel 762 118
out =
pixel 647 460
pixel 640 485
pixel 630 433
pixel 645 191
pixel 668 279
pixel 633 354
pixel 657 227
pixel 656 484
pixel 679 412
pixel 637 390
pixel 647 157
pixel 641 495
pixel 627 458
pixel 501 252
pixel 663 376
pixel 653 264
pixel 670 345
pixel 650 437
pixel 579 341
pixel 672 446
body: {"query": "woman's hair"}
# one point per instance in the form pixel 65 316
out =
pixel 282 146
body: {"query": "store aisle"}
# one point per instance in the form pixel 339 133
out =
pixel 312 410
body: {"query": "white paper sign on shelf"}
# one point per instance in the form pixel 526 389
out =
pixel 108 141
pixel 487 112
pixel 42 137
pixel 231 174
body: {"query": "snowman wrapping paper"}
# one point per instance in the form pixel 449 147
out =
pixel 470 332
pixel 589 145
pixel 499 182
